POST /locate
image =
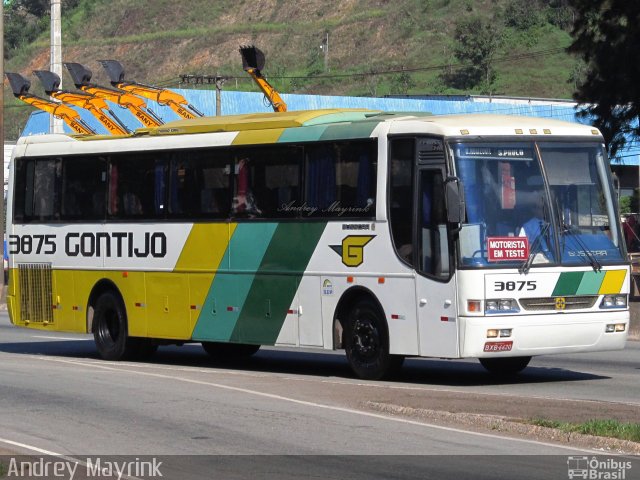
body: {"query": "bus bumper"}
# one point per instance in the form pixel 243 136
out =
pixel 542 334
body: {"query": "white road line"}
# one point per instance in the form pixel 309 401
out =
pixel 59 455
pixel 314 404
pixel 30 447
pixel 356 383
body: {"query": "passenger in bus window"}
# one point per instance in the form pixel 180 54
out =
pixel 131 204
pixel 532 227
pixel 243 201
pixel 536 229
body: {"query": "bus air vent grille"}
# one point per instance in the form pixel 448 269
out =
pixel 35 292
pixel 425 156
pixel 551 303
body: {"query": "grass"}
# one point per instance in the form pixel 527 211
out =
pixel 600 428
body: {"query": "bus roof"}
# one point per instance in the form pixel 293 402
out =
pixel 361 119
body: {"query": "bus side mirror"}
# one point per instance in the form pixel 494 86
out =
pixel 454 194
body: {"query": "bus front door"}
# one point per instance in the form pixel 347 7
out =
pixel 435 283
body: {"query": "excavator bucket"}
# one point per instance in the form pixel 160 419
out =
pixel 114 69
pixel 252 57
pixel 20 85
pixel 80 74
pixel 50 80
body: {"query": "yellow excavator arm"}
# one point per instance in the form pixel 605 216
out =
pixel 163 96
pixel 20 86
pixel 97 106
pixel 81 77
pixel 253 63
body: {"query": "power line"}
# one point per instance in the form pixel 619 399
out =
pixel 521 56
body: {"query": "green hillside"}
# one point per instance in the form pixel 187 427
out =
pixel 376 47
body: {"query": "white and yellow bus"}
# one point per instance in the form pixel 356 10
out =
pixel 386 235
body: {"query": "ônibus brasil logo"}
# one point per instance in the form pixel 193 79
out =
pixel 597 468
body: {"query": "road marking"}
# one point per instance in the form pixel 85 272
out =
pixel 30 447
pixel 356 383
pixel 311 404
pixel 59 455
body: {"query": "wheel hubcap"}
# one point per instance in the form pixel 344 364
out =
pixel 365 338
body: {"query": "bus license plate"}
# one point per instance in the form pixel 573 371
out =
pixel 498 346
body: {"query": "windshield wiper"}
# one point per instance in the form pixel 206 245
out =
pixel 526 266
pixel 595 264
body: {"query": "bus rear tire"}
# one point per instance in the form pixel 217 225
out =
pixel 505 365
pixel 366 343
pixel 110 330
pixel 229 351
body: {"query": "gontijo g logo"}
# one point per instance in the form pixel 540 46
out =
pixel 352 249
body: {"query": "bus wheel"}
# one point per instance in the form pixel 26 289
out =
pixel 367 344
pixel 505 365
pixel 229 351
pixel 110 329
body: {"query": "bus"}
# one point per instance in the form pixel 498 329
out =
pixel 388 235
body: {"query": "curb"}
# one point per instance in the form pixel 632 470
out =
pixel 512 426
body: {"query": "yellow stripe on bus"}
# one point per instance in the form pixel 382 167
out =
pixel 612 282
pixel 205 247
pixel 252 137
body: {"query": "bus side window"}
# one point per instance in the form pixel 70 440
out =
pixel 83 187
pixel 321 177
pixel 132 187
pixel 244 202
pixel 45 183
pixel 340 180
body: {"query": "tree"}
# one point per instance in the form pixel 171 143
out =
pixel 477 42
pixel 606 35
pixel 401 83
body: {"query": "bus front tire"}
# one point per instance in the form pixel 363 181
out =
pixel 366 343
pixel 110 330
pixel 229 351
pixel 505 365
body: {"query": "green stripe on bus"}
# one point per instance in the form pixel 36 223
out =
pixel 351 116
pixel 302 134
pixel 349 130
pixel 276 283
pixel 233 281
pixel 590 283
pixel 567 284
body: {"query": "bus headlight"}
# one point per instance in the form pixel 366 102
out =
pixel 615 327
pixel 501 305
pixel 614 301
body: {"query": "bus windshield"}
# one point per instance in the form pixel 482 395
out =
pixel 536 203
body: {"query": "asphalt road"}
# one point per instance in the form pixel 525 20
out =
pixel 56 396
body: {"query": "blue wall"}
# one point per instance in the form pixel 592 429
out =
pixel 251 102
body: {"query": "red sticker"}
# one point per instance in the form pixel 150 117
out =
pixel 505 249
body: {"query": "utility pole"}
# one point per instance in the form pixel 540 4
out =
pixel 56 55
pixel 219 82
pixel 324 46
pixel 3 226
